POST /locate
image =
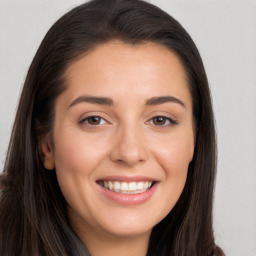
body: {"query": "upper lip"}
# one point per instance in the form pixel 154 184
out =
pixel 125 178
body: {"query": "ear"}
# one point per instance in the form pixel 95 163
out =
pixel 46 152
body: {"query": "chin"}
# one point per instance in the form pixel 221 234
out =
pixel 132 231
pixel 127 226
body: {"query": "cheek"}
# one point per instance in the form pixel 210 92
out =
pixel 76 157
pixel 174 155
pixel 176 152
pixel 77 152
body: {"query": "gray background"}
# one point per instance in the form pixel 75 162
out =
pixel 225 33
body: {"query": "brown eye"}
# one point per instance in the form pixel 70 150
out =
pixel 159 120
pixel 93 120
pixel 162 121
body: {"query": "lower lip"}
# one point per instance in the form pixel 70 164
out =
pixel 128 199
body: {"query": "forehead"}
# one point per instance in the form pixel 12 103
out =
pixel 143 69
pixel 120 54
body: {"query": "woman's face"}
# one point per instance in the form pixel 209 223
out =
pixel 123 138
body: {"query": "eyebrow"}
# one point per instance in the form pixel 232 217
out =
pixel 163 99
pixel 94 100
pixel 109 102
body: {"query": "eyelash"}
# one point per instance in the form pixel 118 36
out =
pixel 86 120
pixel 167 121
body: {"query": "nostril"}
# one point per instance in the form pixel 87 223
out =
pixel 129 157
pixel 129 148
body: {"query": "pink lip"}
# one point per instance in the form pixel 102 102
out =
pixel 128 199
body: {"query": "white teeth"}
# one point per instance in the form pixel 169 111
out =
pixel 124 186
pixel 110 185
pixel 132 186
pixel 140 185
pixel 127 187
pixel 116 185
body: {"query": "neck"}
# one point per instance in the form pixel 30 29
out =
pixel 125 246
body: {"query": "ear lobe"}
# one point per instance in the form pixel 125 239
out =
pixel 49 164
pixel 47 155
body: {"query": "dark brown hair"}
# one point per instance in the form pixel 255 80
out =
pixel 33 218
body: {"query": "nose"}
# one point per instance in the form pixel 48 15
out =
pixel 130 147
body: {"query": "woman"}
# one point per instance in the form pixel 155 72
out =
pixel 113 146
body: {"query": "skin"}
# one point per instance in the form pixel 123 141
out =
pixel 127 141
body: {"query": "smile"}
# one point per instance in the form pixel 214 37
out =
pixel 132 187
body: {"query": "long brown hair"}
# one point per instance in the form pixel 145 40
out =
pixel 33 218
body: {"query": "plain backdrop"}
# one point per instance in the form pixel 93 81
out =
pixel 225 33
